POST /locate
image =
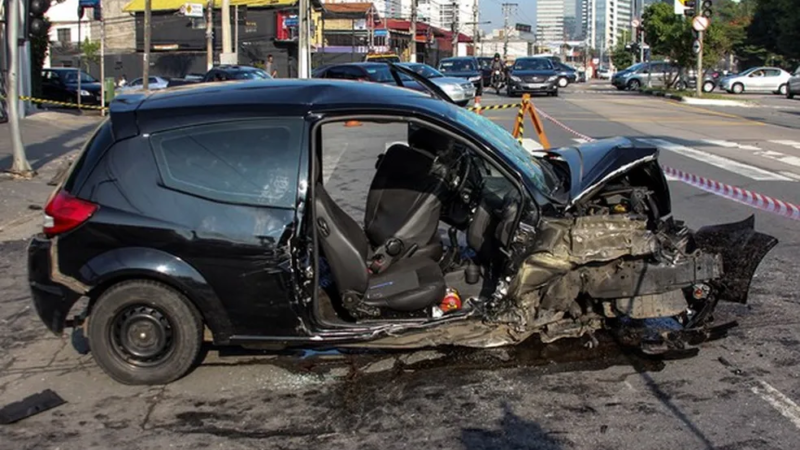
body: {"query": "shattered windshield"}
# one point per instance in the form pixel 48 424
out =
pixel 541 175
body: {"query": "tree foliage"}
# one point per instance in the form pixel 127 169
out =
pixel 773 35
pixel 670 35
pixel 91 53
pixel 620 56
pixel 40 46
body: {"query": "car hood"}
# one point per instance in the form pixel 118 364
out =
pixel 442 81
pixel 91 87
pixel 593 165
pixel 462 74
pixel 534 73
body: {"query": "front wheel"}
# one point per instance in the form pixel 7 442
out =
pixel 144 332
pixel 563 82
pixel 634 85
pixel 783 89
pixel 789 94
pixel 737 88
pixel 554 93
pixel 708 86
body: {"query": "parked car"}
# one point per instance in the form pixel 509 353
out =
pixel 466 67
pixel 223 73
pixel 656 73
pixel 382 57
pixel 154 83
pixel 459 90
pixel 533 75
pixel 793 85
pixel 368 71
pixel 179 219
pixel 61 84
pixel 566 74
pixel 604 73
pixel 757 79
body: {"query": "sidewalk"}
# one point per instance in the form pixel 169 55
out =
pixel 50 139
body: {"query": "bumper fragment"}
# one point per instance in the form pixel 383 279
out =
pixel 51 300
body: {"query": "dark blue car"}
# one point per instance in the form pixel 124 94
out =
pixel 466 67
pixel 533 75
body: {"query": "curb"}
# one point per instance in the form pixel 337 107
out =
pixel 696 101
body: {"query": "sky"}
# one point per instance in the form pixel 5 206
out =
pixel 492 10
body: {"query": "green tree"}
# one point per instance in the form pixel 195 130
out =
pixel 773 35
pixel 91 53
pixel 40 46
pixel 621 56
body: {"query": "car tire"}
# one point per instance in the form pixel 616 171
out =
pixel 634 85
pixel 789 94
pixel 620 88
pixel 554 93
pixel 132 308
pixel 563 82
pixel 708 86
pixel 783 89
pixel 737 88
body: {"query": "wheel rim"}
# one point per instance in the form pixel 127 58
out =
pixel 142 336
pixel 707 87
pixel 737 89
pixel 634 85
pixel 562 82
pixel 783 89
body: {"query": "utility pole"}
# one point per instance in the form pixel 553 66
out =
pixel 413 53
pixel 508 9
pixel 475 33
pixel 210 34
pixel 148 34
pixel 226 57
pixel 303 41
pixel 20 166
pixel 103 59
pixel 80 57
pixel 236 33
pixel 641 46
pixel 455 28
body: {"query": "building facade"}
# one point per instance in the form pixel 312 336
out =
pixel 550 19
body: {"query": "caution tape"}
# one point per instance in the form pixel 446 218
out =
pixel 53 102
pixel 495 107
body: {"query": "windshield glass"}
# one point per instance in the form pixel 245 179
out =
pixel 457 65
pixel 634 67
pixel 485 63
pixel 541 175
pixel 424 70
pixel 533 64
pixel 72 77
pixel 382 74
pixel 748 71
pixel 257 74
pixel 391 59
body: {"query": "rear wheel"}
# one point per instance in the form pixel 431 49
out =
pixel 143 332
pixel 783 90
pixel 708 86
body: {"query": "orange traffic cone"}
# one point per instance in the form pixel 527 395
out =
pixel 478 104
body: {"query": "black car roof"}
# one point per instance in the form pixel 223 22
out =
pixel 458 57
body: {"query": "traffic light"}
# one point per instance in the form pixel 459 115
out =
pixel 690 8
pixel 706 9
pixel 36 25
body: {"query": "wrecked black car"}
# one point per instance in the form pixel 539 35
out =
pixel 232 212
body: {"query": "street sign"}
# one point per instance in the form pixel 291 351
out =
pixel 635 23
pixel 696 47
pixel 700 23
pixel 192 9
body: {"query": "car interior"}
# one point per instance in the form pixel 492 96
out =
pixel 410 222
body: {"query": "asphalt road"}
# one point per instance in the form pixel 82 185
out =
pixel 738 393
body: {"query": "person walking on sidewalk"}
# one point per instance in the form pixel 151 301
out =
pixel 270 67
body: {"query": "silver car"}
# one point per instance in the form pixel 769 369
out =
pixel 458 89
pixel 793 85
pixel 757 79
pixel 155 83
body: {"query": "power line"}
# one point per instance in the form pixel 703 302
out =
pixel 507 10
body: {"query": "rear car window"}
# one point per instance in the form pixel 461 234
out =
pixel 252 162
pixel 97 145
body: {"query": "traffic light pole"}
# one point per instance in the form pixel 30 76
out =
pixel 699 75
pixel 20 165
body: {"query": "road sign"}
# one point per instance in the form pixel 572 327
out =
pixel 635 23
pixel 192 9
pixel 700 23
pixel 696 47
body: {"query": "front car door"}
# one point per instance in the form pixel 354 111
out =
pixel 756 80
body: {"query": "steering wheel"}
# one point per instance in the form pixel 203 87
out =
pixel 463 167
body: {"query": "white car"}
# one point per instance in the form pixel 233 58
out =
pixel 757 79
pixel 155 83
pixel 604 73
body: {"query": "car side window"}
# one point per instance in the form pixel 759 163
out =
pixel 249 162
pixel 152 80
pixel 773 73
pixel 345 73
pixel 136 82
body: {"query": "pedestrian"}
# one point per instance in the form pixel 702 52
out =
pixel 270 66
pixel 122 81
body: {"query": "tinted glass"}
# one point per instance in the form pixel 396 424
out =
pixel 252 162
pixel 425 70
pixel 256 74
pixel 382 74
pixel 346 73
pixel 72 77
pixel 533 64
pixel 457 65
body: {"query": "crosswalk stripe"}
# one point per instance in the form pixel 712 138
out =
pixel 730 165
pixel 794 144
pixel 581 140
pixel 758 151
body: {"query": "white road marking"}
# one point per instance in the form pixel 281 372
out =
pixel 791 175
pixel 769 154
pixel 794 144
pixel 581 140
pixel 76 141
pixel 779 401
pixel 730 165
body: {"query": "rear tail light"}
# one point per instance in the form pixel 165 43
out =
pixel 65 212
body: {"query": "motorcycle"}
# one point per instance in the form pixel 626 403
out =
pixel 498 80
